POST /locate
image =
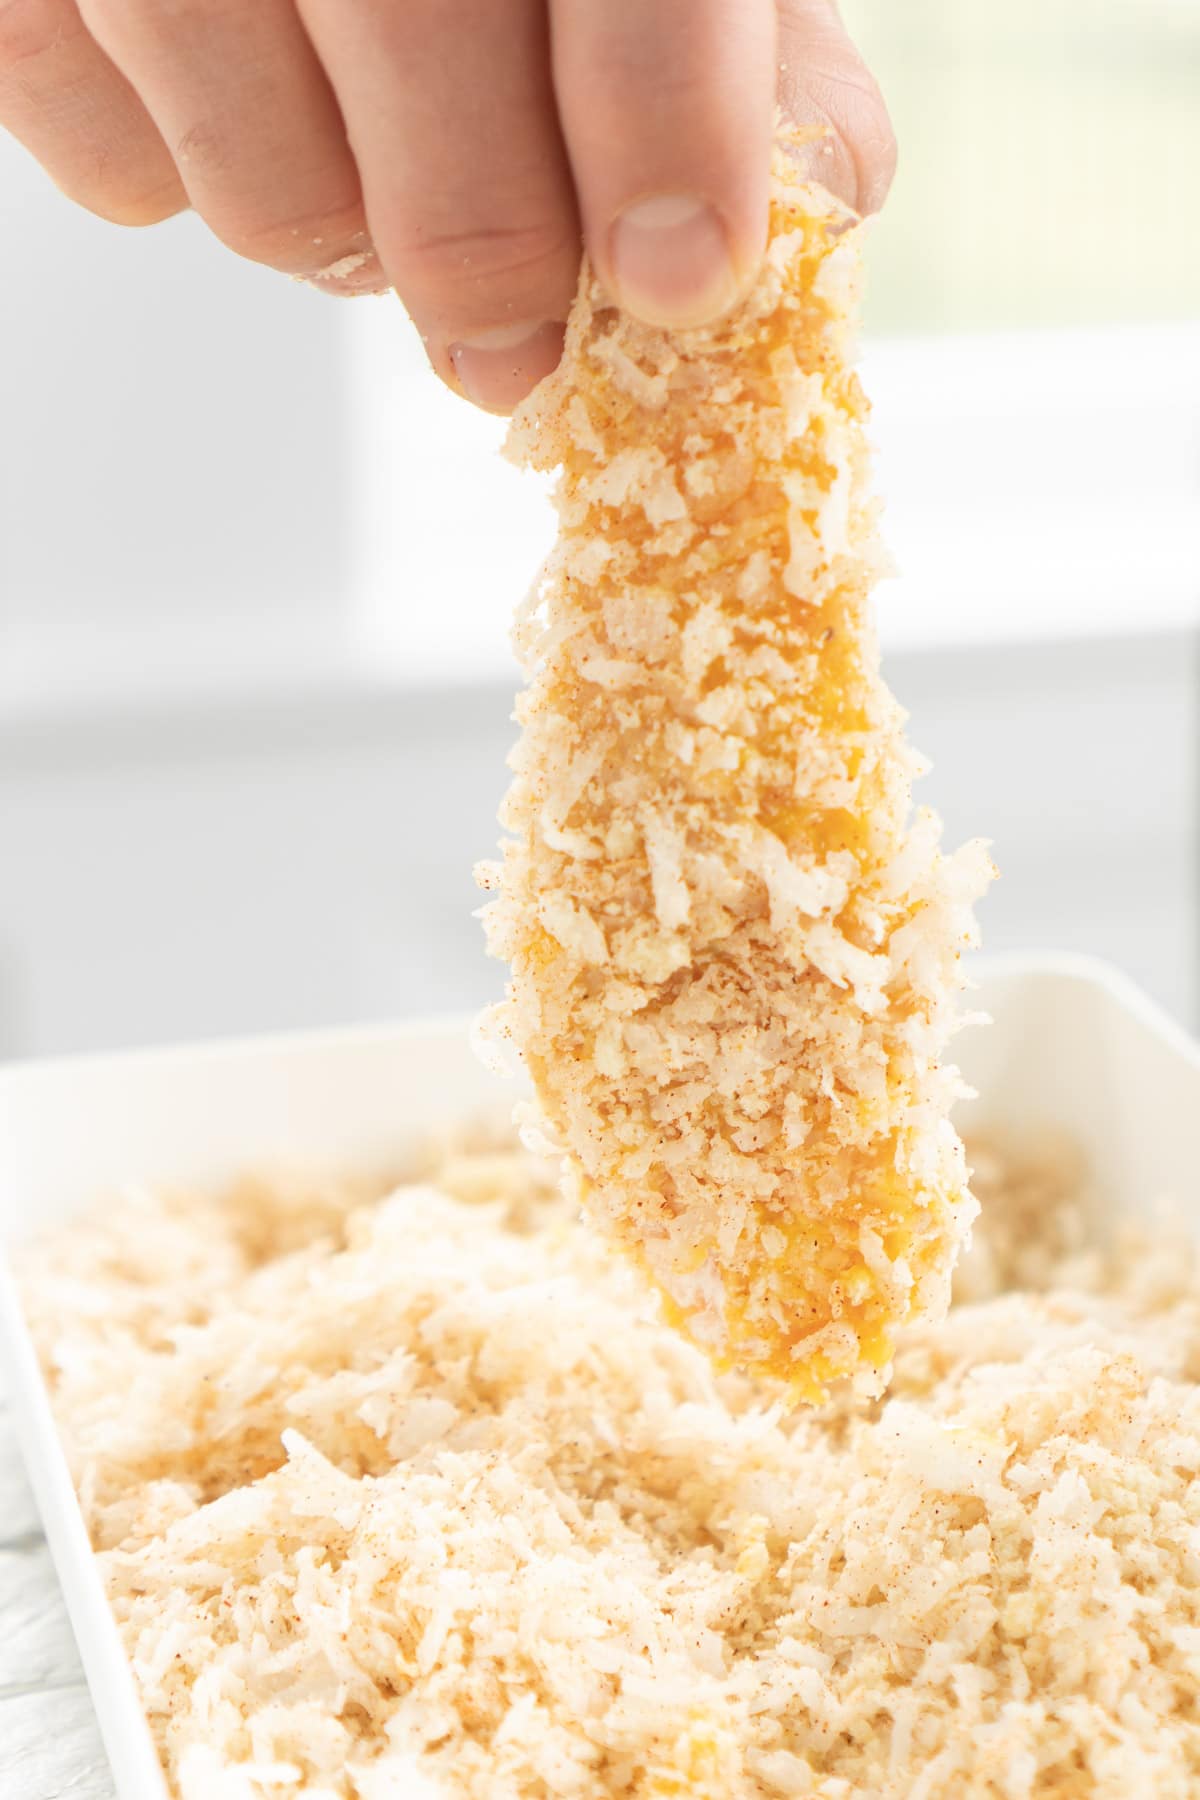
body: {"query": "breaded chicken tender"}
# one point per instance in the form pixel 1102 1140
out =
pixel 735 951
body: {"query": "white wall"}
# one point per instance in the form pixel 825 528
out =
pixel 1080 760
pixel 310 863
pixel 172 450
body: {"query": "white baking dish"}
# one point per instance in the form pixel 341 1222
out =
pixel 1073 1045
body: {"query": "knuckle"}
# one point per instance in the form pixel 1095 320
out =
pixel 121 200
pixel 203 150
pixel 303 245
pixel 28 28
pixel 256 241
pixel 152 22
pixel 108 21
pixel 509 257
pixel 137 212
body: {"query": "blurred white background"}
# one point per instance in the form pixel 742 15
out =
pixel 257 568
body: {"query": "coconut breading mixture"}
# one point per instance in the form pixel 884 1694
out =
pixel 735 956
pixel 423 1505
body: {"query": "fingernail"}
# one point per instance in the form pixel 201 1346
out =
pixel 670 261
pixel 359 273
pixel 497 369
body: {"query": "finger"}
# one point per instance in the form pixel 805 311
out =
pixel 824 81
pixel 62 97
pixel 239 96
pixel 468 192
pixel 668 110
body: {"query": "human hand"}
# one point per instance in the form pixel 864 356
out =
pixel 461 151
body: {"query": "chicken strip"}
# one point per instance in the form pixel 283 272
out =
pixel 735 951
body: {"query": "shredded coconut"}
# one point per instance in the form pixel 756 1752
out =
pixel 713 786
pixel 405 1496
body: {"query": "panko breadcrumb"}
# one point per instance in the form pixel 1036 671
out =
pixel 735 955
pixel 421 1507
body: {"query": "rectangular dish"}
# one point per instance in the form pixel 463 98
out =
pixel 1073 1047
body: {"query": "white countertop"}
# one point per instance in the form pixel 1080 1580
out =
pixel 50 1745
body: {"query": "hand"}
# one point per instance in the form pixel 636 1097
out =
pixel 458 150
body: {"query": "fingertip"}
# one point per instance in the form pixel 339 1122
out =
pixel 856 167
pixel 497 369
pixel 133 211
pixel 877 156
pixel 823 81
